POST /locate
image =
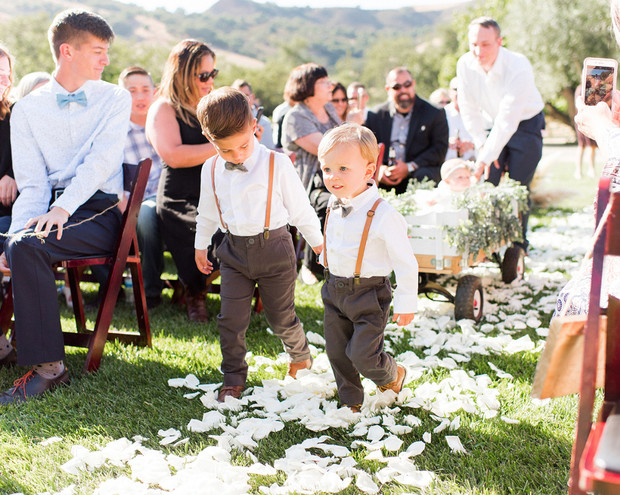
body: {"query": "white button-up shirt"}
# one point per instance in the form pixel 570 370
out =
pixel 76 147
pixel 243 199
pixel 387 249
pixel 497 100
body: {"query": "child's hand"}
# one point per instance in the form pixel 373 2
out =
pixel 203 264
pixel 318 249
pixel 403 319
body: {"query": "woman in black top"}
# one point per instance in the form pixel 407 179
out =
pixel 8 187
pixel 175 134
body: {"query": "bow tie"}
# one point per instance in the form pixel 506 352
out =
pixel 64 100
pixel 235 166
pixel 345 209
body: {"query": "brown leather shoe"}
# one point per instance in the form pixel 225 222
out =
pixel 196 308
pixel 396 385
pixel 230 390
pixel 356 409
pixel 293 368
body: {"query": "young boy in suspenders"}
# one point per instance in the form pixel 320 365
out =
pixel 365 240
pixel 251 194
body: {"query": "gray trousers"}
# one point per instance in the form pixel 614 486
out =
pixel 37 317
pixel 270 263
pixel 354 321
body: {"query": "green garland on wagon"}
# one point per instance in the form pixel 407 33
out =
pixel 491 220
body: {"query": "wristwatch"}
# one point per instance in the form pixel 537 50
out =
pixel 411 166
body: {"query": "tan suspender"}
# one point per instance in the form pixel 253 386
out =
pixel 269 194
pixel 360 253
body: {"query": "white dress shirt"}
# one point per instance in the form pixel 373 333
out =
pixel 76 147
pixel 496 100
pixel 243 199
pixel 456 129
pixel 388 248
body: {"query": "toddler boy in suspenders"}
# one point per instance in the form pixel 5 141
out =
pixel 365 240
pixel 251 194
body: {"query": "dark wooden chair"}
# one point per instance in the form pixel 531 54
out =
pixel 127 254
pixel 595 463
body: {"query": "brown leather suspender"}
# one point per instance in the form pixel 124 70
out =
pixel 360 254
pixel 269 194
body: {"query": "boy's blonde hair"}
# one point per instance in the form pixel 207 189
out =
pixel 224 112
pixel 350 133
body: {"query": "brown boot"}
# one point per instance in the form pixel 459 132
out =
pixel 293 368
pixel 396 385
pixel 230 390
pixel 196 307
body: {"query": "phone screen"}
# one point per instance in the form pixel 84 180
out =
pixel 599 83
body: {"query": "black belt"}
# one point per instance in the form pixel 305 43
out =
pixel 56 193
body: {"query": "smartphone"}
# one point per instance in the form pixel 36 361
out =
pixel 259 113
pixel 598 80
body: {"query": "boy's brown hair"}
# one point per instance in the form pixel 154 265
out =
pixel 350 133
pixel 134 70
pixel 71 26
pixel 224 112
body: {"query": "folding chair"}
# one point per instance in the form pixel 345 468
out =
pixel 595 463
pixel 126 253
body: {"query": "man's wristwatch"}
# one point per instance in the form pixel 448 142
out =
pixel 411 166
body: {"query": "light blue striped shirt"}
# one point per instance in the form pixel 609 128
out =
pixel 77 147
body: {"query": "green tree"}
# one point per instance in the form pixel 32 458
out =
pixel 556 40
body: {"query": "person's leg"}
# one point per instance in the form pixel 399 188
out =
pixel 579 161
pixel 520 158
pixel 338 330
pixel 591 169
pixel 273 266
pixel 5 223
pixel 37 318
pixel 151 250
pixel 236 294
pixel 368 307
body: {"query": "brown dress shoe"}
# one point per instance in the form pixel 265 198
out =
pixel 293 368
pixel 196 308
pixel 356 409
pixel 396 385
pixel 230 390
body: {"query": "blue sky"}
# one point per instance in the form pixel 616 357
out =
pixel 199 6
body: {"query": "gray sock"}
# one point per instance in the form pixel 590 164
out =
pixel 50 370
pixel 5 346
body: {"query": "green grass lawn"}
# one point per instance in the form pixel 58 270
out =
pixel 130 396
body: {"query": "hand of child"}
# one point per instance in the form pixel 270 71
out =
pixel 403 319
pixel 318 249
pixel 202 262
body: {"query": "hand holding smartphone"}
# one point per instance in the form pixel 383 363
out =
pixel 598 80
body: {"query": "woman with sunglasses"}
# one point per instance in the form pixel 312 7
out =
pixel 174 132
pixel 340 101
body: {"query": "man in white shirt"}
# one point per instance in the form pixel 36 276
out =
pixel 67 139
pixel 500 106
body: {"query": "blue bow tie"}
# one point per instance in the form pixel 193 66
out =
pixel 64 100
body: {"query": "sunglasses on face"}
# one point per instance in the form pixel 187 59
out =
pixel 339 100
pixel 205 76
pixel 398 86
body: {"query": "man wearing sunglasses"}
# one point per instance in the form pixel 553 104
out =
pixel 414 132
